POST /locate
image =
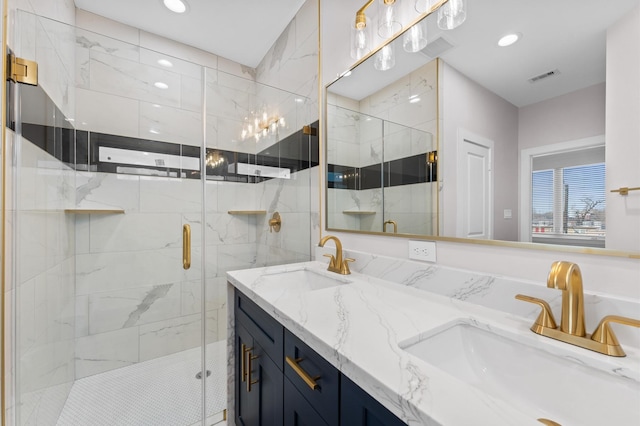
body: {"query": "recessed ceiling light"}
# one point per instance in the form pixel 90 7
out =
pixel 508 40
pixel 165 63
pixel 161 85
pixel 177 6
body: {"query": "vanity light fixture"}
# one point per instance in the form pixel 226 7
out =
pixel 165 63
pixel 385 59
pixel 508 39
pixel 415 39
pixel 161 85
pixel 452 14
pixel 259 126
pixel 388 22
pixel 176 6
pixel 361 34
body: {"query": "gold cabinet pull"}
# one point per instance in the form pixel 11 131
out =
pixel 243 363
pixel 186 246
pixel 250 382
pixel 310 381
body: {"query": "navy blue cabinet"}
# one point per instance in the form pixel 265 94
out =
pixel 358 408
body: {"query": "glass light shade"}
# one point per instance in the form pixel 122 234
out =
pixel 423 6
pixel 415 38
pixel 388 19
pixel 452 14
pixel 360 41
pixel 385 59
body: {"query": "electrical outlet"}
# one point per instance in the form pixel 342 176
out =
pixel 422 250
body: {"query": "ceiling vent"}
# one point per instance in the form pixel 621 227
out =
pixel 437 47
pixel 544 75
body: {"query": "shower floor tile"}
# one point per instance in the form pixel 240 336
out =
pixel 159 392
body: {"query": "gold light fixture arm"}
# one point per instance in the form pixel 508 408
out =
pixel 361 18
pixel 625 190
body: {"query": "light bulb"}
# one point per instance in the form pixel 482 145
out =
pixel 385 59
pixel 360 41
pixel 423 6
pixel 388 22
pixel 415 39
pixel 452 14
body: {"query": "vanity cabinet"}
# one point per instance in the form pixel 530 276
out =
pixel 280 380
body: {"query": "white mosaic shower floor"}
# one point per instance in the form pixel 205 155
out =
pixel 160 392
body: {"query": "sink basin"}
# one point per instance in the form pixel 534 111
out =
pixel 302 279
pixel 538 382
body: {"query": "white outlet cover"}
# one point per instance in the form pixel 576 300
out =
pixel 422 250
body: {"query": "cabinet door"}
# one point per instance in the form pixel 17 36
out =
pixel 297 410
pixel 247 413
pixel 259 384
pixel 358 408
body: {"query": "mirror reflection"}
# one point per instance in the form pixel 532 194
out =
pixel 493 130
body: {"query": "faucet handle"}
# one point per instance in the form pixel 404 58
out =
pixel 545 319
pixel 345 265
pixel 332 262
pixel 604 333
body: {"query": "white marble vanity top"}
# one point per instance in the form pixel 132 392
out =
pixel 358 325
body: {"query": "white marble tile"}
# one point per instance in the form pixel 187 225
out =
pixel 107 351
pixel 191 94
pixel 44 407
pixel 114 310
pixel 131 232
pixel 97 24
pixel 107 45
pixel 237 196
pixel 82 234
pixel 82 316
pixel 108 191
pixel 307 21
pixel 25 37
pixel 45 365
pixel 62 10
pixel 223 228
pixel 178 50
pixel 191 291
pixel 126 78
pixel 229 96
pixel 105 113
pixel 230 67
pixel 169 195
pixel 170 336
pixel 120 270
pixel 177 65
pixel 236 256
pixel 169 124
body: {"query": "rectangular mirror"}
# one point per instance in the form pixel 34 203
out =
pixel 468 139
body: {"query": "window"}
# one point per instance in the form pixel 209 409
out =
pixel 568 198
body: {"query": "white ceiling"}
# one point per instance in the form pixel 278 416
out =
pixel 240 30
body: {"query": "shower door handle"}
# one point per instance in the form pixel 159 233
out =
pixel 186 246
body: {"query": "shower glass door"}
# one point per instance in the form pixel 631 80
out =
pixel 107 202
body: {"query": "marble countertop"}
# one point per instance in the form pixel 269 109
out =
pixel 358 327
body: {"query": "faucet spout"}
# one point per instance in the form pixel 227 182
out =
pixel 337 264
pixel 566 276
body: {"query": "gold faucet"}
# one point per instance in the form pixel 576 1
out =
pixel 337 264
pixel 566 276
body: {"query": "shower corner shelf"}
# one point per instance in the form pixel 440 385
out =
pixel 247 212
pixel 358 212
pixel 94 211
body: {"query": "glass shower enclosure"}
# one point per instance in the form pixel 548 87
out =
pixel 138 180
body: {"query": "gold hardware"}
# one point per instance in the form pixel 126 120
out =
pixel 432 157
pixel 275 222
pixel 604 334
pixel 548 422
pixel 625 190
pixel 545 319
pixel 23 70
pixel 246 212
pixel 361 18
pixel 392 222
pixel 249 368
pixel 337 263
pixel 309 131
pixel 224 414
pixel 310 381
pixel 186 246
pixel 243 364
pixel 566 277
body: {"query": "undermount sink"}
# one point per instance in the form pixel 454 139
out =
pixel 302 279
pixel 538 382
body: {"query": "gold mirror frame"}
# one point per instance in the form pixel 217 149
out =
pixel 495 243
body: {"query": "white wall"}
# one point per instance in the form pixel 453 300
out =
pixel 598 271
pixel 623 132
pixel 467 105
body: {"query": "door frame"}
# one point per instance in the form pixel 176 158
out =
pixel 462 136
pixel 526 168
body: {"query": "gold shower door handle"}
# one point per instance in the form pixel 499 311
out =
pixel 186 246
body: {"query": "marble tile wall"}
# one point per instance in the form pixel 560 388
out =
pixel 44 279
